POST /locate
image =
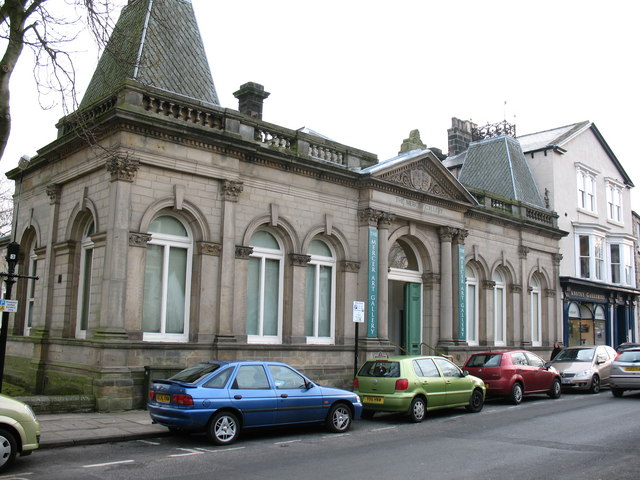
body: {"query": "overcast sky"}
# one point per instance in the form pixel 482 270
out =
pixel 367 72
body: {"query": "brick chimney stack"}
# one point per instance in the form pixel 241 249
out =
pixel 250 98
pixel 460 135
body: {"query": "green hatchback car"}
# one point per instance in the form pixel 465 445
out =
pixel 415 385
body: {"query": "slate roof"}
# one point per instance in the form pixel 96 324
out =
pixel 497 165
pixel 156 43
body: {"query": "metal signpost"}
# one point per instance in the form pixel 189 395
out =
pixel 358 318
pixel 14 256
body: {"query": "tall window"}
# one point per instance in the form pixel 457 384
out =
pixel 585 258
pixel 614 202
pixel 264 289
pixel 591 256
pixel 84 283
pixel 536 313
pixel 616 264
pixel 586 190
pixel 500 309
pixel 320 294
pixel 598 257
pixel 629 273
pixel 31 289
pixel 167 281
pixel 472 306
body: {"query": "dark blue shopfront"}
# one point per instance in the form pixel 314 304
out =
pixel 596 314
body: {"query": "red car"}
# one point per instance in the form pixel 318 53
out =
pixel 514 373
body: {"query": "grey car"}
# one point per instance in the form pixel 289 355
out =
pixel 625 372
pixel 585 367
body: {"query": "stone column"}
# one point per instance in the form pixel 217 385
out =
pixel 489 286
pixel 228 280
pixel 522 335
pixel 556 309
pixel 242 255
pixel 446 287
pixel 369 220
pixel 114 294
pixel 383 274
pixel 459 316
pixel 295 330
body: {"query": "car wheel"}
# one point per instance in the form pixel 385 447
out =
pixel 8 448
pixel 617 392
pixel 339 418
pixel 476 402
pixel 556 389
pixel 223 428
pixel 595 384
pixel 368 414
pixel 516 393
pixel 417 410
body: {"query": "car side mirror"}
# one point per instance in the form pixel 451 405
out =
pixel 465 373
pixel 547 365
pixel 308 384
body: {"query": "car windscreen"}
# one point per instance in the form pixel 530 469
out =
pixel 485 360
pixel 195 373
pixel 630 356
pixel 575 355
pixel 380 369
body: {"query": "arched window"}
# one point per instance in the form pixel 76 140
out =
pixel 167 281
pixel 319 318
pixel 84 281
pixel 32 269
pixel 472 305
pixel 499 309
pixel 264 289
pixel 536 312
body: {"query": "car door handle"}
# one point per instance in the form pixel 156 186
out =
pixel 237 397
pixel 284 395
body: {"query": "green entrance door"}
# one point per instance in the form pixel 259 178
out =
pixel 413 324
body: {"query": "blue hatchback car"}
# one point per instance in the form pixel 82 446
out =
pixel 220 398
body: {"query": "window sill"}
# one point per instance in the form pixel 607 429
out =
pixel 588 212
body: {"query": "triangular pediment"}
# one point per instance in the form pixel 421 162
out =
pixel 424 173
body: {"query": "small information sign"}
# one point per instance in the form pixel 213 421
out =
pixel 9 306
pixel 358 312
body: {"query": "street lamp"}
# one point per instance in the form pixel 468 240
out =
pixel 14 256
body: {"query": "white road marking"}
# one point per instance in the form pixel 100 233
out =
pixel 148 442
pixel 335 435
pixel 383 428
pixel 16 477
pixel 287 442
pixel 206 450
pixel 189 452
pixel 107 464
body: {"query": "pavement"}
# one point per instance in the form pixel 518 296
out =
pixel 72 429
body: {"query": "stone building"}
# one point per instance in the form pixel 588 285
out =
pixel 584 181
pixel 165 229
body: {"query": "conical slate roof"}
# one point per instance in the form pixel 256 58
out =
pixel 497 165
pixel 157 43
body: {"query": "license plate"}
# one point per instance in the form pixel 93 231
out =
pixel 632 369
pixel 373 400
pixel 163 397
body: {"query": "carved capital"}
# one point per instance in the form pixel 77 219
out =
pixel 369 216
pixel 488 284
pixel 461 235
pixel 243 252
pixel 139 239
pixel 523 251
pixel 549 292
pixel 53 192
pixel 385 220
pixel 209 248
pixel 299 259
pixel 232 190
pixel 430 279
pixel 515 288
pixel 349 266
pixel 556 258
pixel 447 233
pixel 122 168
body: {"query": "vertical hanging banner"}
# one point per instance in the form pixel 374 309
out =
pixel 372 289
pixel 462 295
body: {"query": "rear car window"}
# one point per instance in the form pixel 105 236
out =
pixel 195 373
pixel 485 360
pixel 380 369
pixel 219 380
pixel 629 356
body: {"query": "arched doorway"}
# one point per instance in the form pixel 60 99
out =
pixel 405 297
